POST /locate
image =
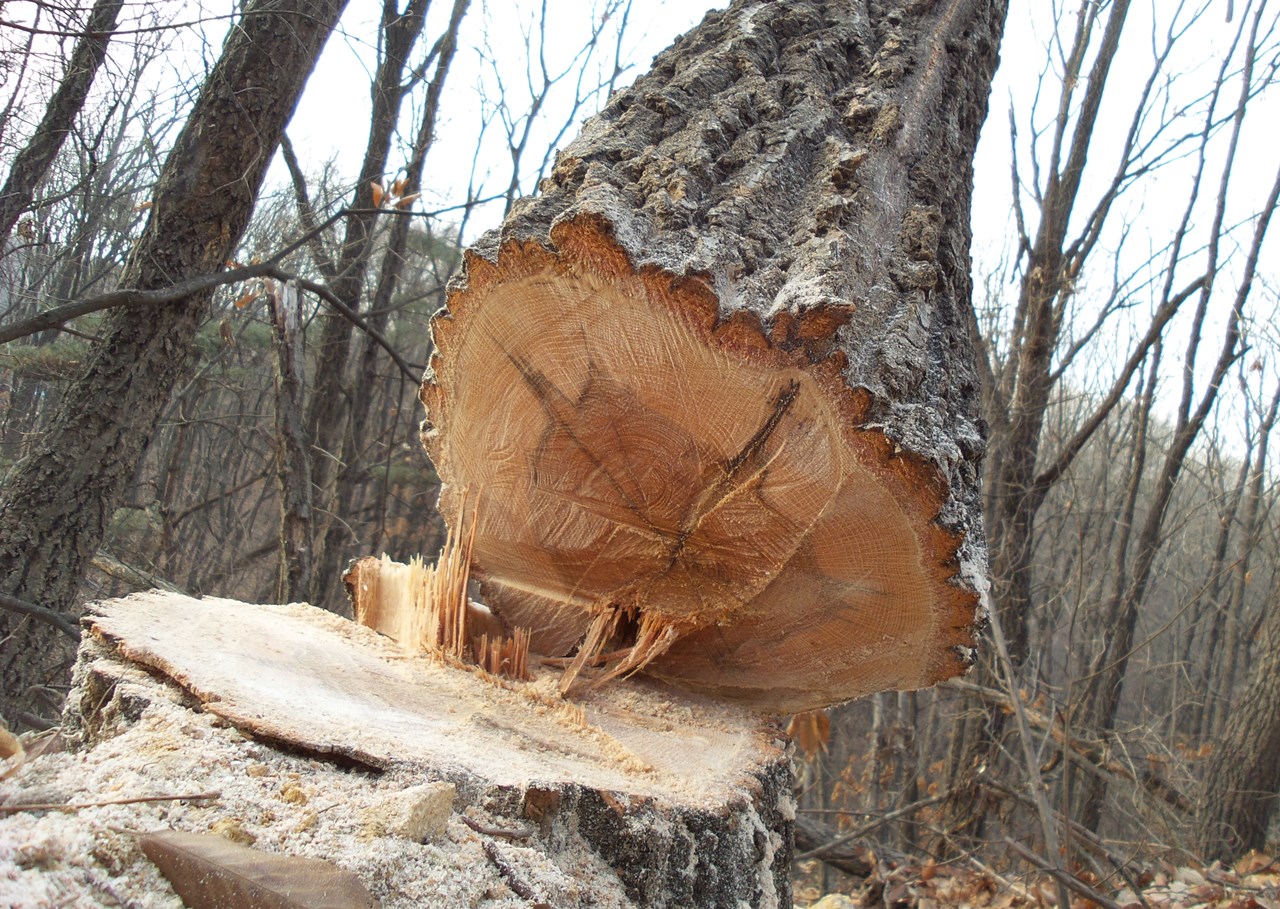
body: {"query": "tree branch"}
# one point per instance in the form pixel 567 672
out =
pixel 40 614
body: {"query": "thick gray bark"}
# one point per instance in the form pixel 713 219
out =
pixel 809 155
pixel 803 171
pixel 55 506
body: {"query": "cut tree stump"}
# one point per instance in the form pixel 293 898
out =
pixel 662 798
pixel 711 393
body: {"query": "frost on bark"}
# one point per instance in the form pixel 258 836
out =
pixel 712 390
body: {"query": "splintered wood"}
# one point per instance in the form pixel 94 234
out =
pixel 425 608
pixel 668 491
pixel 643 796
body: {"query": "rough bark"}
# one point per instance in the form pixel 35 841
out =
pixel 1242 776
pixel 55 506
pixel 687 802
pixel 354 473
pixel 786 197
pixel 293 454
pixel 32 163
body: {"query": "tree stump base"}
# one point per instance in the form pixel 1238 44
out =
pixel 311 728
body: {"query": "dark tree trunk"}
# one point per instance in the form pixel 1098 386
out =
pixel 32 163
pixel 55 507
pixel 1242 776
pixel 354 471
pixel 293 454
pixel 329 406
pixel 1017 411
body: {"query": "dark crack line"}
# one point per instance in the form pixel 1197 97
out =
pixel 726 484
pixel 560 410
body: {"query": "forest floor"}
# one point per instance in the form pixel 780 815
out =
pixel 1253 882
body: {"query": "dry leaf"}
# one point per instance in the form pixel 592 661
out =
pixel 378 193
pixel 811 731
pixel 12 754
pixel 248 298
pixel 210 872
pixel 407 201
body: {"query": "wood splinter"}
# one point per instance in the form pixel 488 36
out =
pixel 425 608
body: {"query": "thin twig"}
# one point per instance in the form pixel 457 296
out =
pixel 496 831
pixel 867 828
pixel 1062 877
pixel 76 806
pixel 514 881
pixel 40 614
pixel 1086 836
pixel 1035 782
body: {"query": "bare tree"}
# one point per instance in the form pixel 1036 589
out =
pixel 1242 777
pixel 55 506
pixel 1035 344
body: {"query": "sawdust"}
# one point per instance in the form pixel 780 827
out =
pixel 289 803
pixel 296 674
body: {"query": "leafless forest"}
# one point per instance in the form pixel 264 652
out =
pixel 1126 702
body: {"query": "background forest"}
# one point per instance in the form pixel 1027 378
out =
pixel 1126 310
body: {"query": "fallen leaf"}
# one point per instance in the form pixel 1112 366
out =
pixel 12 754
pixel 210 872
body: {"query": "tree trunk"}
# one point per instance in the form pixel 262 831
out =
pixel 713 388
pixel 293 454
pixel 329 406
pixel 32 163
pixel 55 507
pixel 1242 776
pixel 354 472
pixel 1017 412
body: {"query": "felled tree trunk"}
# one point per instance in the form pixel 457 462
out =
pixel 652 797
pixel 711 392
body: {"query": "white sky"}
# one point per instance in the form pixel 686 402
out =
pixel 332 121
pixel 1149 212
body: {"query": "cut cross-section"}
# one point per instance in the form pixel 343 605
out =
pixel 661 490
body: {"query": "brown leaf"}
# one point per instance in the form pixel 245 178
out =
pixel 210 872
pixel 811 731
pixel 378 193
pixel 248 298
pixel 12 754
pixel 407 201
